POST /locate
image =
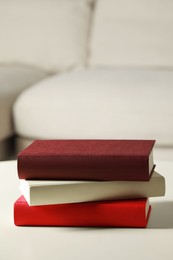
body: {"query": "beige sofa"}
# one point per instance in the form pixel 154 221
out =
pixel 79 69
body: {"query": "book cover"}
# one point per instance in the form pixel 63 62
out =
pixel 87 160
pixel 42 192
pixel 125 213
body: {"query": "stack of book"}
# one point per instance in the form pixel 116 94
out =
pixel 77 183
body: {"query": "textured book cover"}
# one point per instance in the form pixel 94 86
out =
pixel 87 160
pixel 42 192
pixel 125 213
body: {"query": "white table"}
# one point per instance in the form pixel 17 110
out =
pixel 31 243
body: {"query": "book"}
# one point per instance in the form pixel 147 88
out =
pixel 125 213
pixel 107 160
pixel 43 192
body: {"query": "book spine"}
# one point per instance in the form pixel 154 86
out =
pixel 104 214
pixel 94 191
pixel 98 168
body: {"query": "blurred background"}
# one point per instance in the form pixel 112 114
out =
pixel 86 69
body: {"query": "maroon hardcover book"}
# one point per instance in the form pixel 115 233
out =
pixel 123 213
pixel 87 160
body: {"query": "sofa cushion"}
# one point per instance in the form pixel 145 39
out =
pixel 13 79
pixel 98 103
pixel 46 33
pixel 132 33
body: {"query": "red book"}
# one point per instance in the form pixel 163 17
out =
pixel 87 160
pixel 125 213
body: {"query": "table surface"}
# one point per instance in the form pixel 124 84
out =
pixel 155 242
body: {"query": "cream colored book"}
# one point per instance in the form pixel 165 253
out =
pixel 45 192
